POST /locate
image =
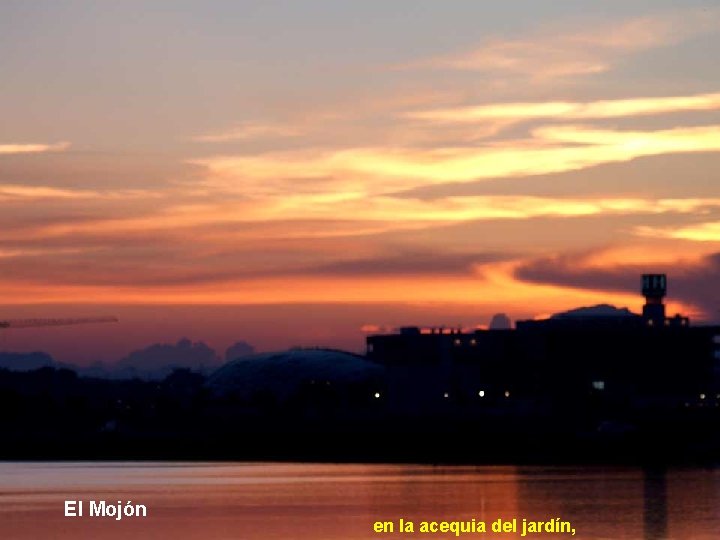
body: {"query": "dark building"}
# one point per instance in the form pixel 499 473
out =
pixel 600 357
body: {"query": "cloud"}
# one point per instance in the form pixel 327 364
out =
pixel 35 252
pixel 370 328
pixel 33 148
pixel 248 131
pixel 556 52
pixel 10 192
pixel 172 266
pixel 416 263
pixel 636 143
pixel 474 208
pixel 340 175
pixel 494 286
pixel 573 270
pixel 699 232
pixel 692 283
pixel 368 216
pixel 568 110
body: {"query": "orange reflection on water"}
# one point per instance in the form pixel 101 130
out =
pixel 321 501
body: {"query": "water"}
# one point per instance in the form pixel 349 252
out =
pixel 327 501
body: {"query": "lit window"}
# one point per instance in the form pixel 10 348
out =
pixel 377 395
pixel 473 342
pixel 446 395
pixel 458 342
pixel 598 385
pixel 481 393
pixel 650 322
pixel 507 393
pixel 702 396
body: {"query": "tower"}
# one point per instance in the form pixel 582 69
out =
pixel 654 288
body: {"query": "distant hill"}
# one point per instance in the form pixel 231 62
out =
pixel 600 310
pixel 238 350
pixel 154 362
pixel 26 361
pixel 159 360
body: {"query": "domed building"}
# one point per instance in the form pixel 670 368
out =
pixel 306 374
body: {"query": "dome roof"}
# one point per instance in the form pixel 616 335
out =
pixel 282 373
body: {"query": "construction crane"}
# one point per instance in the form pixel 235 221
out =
pixel 33 323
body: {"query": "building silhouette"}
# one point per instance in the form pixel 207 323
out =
pixel 601 357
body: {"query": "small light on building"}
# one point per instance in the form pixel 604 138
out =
pixel 598 385
pixel 481 393
pixel 377 395
pixel 507 393
pixel 473 342
pixel 458 342
pixel 446 395
pixel 702 396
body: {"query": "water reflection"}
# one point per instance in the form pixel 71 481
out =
pixel 655 504
pixel 316 501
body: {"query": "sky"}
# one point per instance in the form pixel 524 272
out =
pixel 303 173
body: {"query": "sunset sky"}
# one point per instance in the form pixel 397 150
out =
pixel 297 173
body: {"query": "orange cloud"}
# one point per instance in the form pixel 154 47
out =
pixel 699 232
pixel 33 148
pixel 10 191
pixel 309 217
pixel 637 143
pixel 353 173
pixel 615 108
pixel 32 252
pixel 21 192
pixel 494 288
pixel 248 131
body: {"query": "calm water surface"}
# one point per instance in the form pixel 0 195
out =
pixel 311 501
